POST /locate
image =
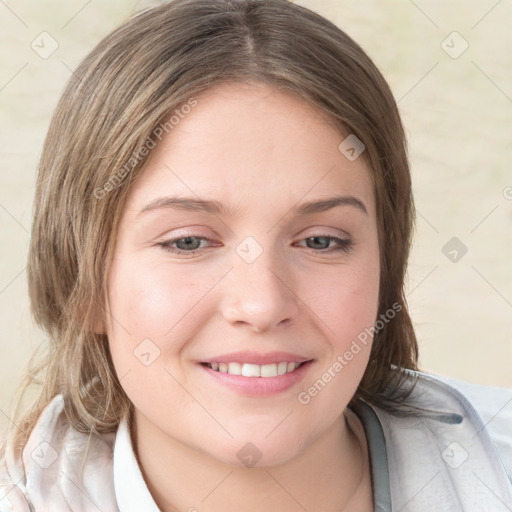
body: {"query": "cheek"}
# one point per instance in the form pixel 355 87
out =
pixel 151 300
pixel 346 304
pixel 152 314
pixel 158 310
pixel 345 301
pixel 360 299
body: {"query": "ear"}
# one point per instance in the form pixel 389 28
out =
pixel 99 314
pixel 99 324
pixel 99 328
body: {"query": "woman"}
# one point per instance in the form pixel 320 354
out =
pixel 221 230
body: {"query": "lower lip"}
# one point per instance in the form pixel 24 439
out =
pixel 259 386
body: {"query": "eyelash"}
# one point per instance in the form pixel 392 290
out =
pixel 344 245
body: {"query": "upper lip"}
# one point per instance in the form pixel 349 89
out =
pixel 257 358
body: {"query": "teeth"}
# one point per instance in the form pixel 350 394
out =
pixel 270 370
pixel 254 370
pixel 249 370
pixel 235 368
pixel 282 368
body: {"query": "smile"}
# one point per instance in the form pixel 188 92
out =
pixel 254 370
pixel 241 377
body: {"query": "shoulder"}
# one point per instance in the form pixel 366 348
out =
pixel 452 439
pixel 494 405
pixel 484 409
pixel 59 466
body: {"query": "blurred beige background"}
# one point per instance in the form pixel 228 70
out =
pixel 454 91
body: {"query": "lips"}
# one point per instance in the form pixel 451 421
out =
pixel 254 370
pixel 254 374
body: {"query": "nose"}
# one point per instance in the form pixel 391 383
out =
pixel 260 294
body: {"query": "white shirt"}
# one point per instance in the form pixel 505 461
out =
pixel 456 459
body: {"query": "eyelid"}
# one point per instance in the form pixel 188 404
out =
pixel 188 233
pixel 343 244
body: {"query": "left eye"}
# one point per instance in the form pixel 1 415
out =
pixel 343 244
pixel 192 244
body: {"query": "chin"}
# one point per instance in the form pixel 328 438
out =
pixel 251 455
pixel 256 451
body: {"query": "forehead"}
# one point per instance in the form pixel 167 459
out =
pixel 250 143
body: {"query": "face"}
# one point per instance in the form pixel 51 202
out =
pixel 264 278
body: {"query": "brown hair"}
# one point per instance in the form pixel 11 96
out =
pixel 118 96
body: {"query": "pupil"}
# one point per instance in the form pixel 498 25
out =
pixel 187 241
pixel 316 238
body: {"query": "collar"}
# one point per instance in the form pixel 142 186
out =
pixel 131 490
pixel 377 454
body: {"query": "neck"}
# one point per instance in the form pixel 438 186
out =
pixel 332 472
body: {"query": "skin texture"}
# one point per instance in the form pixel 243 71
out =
pixel 260 151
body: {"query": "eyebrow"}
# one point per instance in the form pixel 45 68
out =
pixel 216 207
